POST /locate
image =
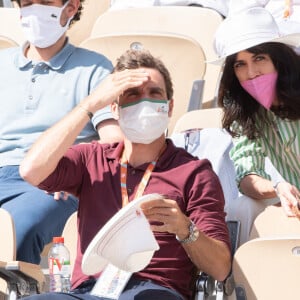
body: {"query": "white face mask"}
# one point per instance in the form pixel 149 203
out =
pixel 145 120
pixel 41 24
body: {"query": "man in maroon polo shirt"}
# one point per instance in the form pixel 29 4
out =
pixel 192 234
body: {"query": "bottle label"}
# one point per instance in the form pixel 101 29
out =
pixel 59 267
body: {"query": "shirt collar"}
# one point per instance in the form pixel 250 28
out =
pixel 55 63
pixel 113 153
pixel 167 156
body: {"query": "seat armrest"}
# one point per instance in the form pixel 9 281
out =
pixel 22 278
pixel 206 285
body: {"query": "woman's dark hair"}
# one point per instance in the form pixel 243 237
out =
pixel 239 106
pixel 134 59
pixel 76 16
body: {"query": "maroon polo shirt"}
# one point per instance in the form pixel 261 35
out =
pixel 92 172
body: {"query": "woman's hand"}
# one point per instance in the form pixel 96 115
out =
pixel 289 196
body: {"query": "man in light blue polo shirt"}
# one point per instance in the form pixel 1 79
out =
pixel 39 83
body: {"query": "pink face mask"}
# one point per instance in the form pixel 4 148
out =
pixel 262 88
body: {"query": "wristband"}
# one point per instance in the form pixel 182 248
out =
pixel 275 185
pixel 90 114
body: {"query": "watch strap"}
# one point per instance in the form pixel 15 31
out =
pixel 193 234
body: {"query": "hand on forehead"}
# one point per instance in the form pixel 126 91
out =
pixel 143 83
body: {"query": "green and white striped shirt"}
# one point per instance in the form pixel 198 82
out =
pixel 280 141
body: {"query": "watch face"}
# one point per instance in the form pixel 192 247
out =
pixel 194 232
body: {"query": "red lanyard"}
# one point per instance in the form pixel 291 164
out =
pixel 143 183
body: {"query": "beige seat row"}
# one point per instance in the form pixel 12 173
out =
pixel 197 23
pixel 268 266
pixel 6 42
pixel 10 25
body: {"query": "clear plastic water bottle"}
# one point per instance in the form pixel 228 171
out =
pixel 59 266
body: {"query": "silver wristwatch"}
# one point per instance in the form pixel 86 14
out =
pixel 193 234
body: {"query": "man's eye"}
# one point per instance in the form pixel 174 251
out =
pixel 156 93
pixel 133 93
pixel 47 2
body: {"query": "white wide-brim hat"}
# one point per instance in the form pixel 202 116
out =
pixel 248 28
pixel 126 241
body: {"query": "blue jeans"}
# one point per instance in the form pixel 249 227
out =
pixel 37 216
pixel 135 290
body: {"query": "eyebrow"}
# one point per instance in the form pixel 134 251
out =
pixel 242 60
pixel 137 90
pixel 254 55
pixel 130 90
pixel 157 89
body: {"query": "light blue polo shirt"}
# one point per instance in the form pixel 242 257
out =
pixel 35 95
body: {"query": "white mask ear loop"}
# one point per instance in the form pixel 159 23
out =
pixel 70 19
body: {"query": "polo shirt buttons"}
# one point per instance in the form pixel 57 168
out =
pixel 129 190
pixel 32 79
pixel 133 172
pixel 30 97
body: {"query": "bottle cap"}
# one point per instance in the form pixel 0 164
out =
pixel 58 239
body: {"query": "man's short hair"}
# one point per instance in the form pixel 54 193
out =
pixel 134 59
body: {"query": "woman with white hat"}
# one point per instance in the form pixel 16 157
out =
pixel 260 94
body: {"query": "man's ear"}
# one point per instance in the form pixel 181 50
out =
pixel 72 8
pixel 171 106
pixel 115 110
